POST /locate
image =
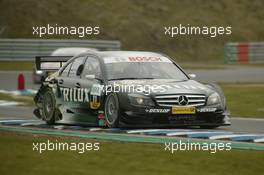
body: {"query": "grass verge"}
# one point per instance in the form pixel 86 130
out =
pixel 16 65
pixel 140 25
pixel 116 158
pixel 245 100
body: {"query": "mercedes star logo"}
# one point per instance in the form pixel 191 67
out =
pixel 183 100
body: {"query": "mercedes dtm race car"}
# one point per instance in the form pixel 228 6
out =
pixel 126 88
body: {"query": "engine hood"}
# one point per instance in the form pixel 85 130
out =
pixel 164 86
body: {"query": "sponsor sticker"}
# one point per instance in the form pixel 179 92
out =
pixel 157 110
pixel 96 89
pixel 96 92
pixel 183 110
pixel 95 102
pixel 206 110
pixel 136 59
pixel 75 94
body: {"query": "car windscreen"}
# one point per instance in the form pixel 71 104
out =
pixel 142 69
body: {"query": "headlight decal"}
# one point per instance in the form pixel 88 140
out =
pixel 137 99
pixel 213 99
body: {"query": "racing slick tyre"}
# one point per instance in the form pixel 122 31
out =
pixel 49 110
pixel 112 110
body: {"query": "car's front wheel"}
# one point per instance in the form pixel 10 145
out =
pixel 112 110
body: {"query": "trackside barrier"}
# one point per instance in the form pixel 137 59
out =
pixel 244 53
pixel 27 49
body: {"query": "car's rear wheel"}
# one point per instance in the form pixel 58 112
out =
pixel 49 107
pixel 111 109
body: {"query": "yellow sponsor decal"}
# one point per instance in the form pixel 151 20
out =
pixel 95 103
pixel 183 110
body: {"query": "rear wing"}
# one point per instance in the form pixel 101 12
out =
pixel 51 63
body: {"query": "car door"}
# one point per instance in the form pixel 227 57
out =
pixel 89 83
pixel 92 79
pixel 70 94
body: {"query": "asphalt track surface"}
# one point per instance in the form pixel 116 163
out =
pixel 246 125
pixel 8 79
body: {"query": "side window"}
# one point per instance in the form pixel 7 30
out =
pixel 66 70
pixel 76 63
pixel 92 67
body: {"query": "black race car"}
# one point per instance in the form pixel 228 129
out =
pixel 126 88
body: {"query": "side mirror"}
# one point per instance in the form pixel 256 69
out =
pixel 192 76
pixel 79 70
pixel 90 76
pixel 93 77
